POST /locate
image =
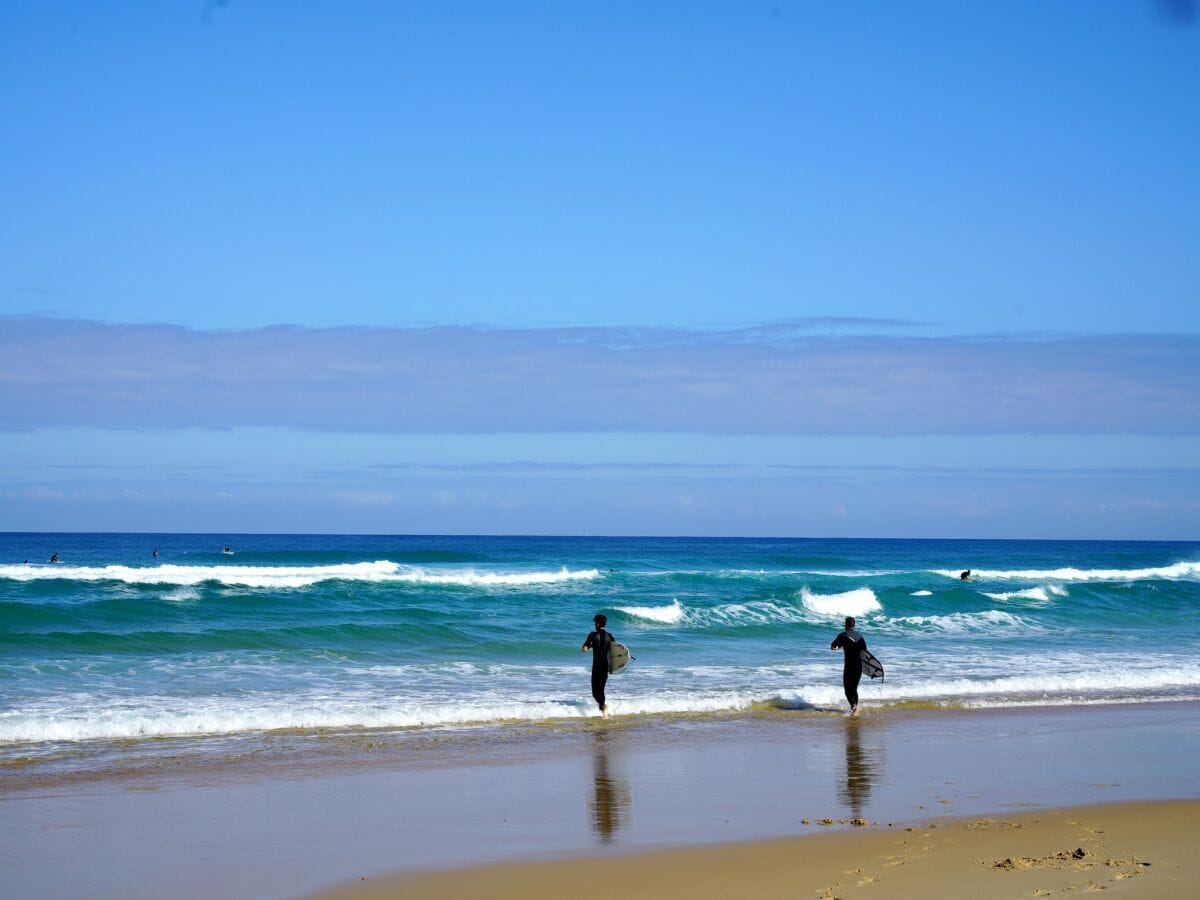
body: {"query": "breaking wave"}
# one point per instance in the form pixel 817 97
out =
pixel 381 571
pixel 664 615
pixel 857 602
pixel 992 622
pixel 1042 594
pixel 1177 571
pixel 166 717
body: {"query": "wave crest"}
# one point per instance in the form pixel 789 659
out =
pixel 1175 572
pixel 990 622
pixel 381 571
pixel 664 615
pixel 857 602
pixel 1041 594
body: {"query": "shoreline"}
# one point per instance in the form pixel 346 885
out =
pixel 324 751
pixel 289 827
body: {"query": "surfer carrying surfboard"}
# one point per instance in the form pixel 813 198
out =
pixel 598 642
pixel 852 644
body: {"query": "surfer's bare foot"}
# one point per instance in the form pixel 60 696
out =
pixel 604 712
pixel 854 712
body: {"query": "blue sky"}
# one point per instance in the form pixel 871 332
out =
pixel 922 269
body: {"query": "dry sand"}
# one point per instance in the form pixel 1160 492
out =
pixel 1128 850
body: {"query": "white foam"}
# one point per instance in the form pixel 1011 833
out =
pixel 116 721
pixel 1068 684
pixel 754 612
pixel 813 609
pixel 849 573
pixel 80 717
pixel 472 578
pixel 181 595
pixel 1005 691
pixel 292 576
pixel 1182 570
pixel 1041 594
pixel 849 603
pixel 992 621
pixel 921 594
pixel 666 615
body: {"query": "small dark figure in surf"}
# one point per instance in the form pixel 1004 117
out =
pixel 852 643
pixel 155 553
pixel 598 642
pixel 53 557
pixel 965 576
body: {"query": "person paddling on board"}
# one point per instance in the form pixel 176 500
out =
pixel 598 642
pixel 852 643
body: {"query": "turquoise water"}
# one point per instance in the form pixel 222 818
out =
pixel 346 632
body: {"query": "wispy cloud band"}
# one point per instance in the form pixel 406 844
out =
pixel 769 380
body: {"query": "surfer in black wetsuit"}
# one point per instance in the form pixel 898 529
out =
pixel 851 643
pixel 598 642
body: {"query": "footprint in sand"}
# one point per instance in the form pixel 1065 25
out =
pixel 864 878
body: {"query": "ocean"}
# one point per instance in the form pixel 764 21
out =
pixel 113 653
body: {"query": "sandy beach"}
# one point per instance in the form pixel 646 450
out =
pixel 733 805
pixel 1133 850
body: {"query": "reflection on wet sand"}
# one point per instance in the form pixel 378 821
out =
pixel 611 800
pixel 861 771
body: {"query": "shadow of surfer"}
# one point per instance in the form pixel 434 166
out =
pixel 860 775
pixel 611 798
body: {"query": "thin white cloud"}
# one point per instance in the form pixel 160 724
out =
pixel 773 380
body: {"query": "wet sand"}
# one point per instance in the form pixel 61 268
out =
pixel 370 805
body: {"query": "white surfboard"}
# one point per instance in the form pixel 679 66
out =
pixel 618 657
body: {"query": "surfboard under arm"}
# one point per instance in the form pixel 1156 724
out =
pixel 870 665
pixel 618 657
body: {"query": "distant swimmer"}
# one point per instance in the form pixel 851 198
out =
pixel 965 576
pixel 228 551
pixel 852 644
pixel 155 553
pixel 598 642
pixel 53 557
